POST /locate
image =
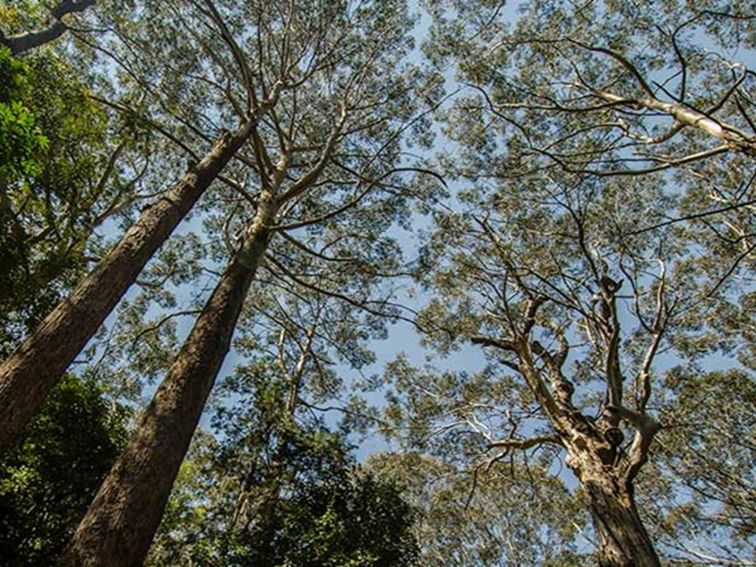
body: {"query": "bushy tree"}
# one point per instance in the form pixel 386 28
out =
pixel 279 490
pixel 48 479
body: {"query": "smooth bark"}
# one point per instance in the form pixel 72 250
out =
pixel 28 375
pixel 120 524
pixel 732 137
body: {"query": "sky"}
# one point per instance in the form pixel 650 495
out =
pixel 402 338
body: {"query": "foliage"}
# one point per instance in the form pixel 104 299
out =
pixel 702 478
pixel 66 173
pixel 48 478
pixel 511 515
pixel 20 140
pixel 594 233
pixel 279 492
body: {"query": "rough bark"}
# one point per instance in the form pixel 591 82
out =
pixel 120 524
pixel 622 539
pixel 27 375
pixel 31 40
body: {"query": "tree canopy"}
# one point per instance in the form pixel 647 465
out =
pixel 362 282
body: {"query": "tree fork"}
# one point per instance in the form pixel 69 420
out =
pixel 121 522
pixel 33 39
pixel 28 375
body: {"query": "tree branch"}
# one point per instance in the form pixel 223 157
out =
pixel 33 39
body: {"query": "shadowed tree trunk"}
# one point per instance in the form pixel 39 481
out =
pixel 622 538
pixel 124 516
pixel 28 374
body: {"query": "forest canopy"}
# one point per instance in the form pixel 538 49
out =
pixel 377 283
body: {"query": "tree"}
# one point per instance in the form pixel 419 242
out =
pixel 82 175
pixel 569 183
pixel 580 359
pixel 319 143
pixel 28 374
pixel 278 491
pixel 516 515
pixel 47 480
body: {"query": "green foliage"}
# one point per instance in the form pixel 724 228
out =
pixel 20 140
pixel 545 206
pixel 48 478
pixel 59 178
pixel 702 478
pixel 279 491
pixel 481 519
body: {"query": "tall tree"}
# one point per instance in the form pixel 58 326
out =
pixel 335 130
pixel 279 488
pixel 28 374
pixel 579 320
pixel 548 266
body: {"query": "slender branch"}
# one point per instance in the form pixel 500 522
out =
pixel 523 444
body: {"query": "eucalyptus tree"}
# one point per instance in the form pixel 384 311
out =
pixel 331 143
pixel 596 140
pixel 606 88
pixel 610 89
pixel 28 374
pixel 580 320
pixel 49 19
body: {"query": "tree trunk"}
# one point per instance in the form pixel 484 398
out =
pixel 120 524
pixel 622 538
pixel 27 375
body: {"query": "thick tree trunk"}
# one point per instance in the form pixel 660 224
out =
pixel 120 524
pixel 29 374
pixel 622 538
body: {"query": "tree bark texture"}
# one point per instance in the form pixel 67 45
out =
pixel 121 522
pixel 27 375
pixel 622 538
